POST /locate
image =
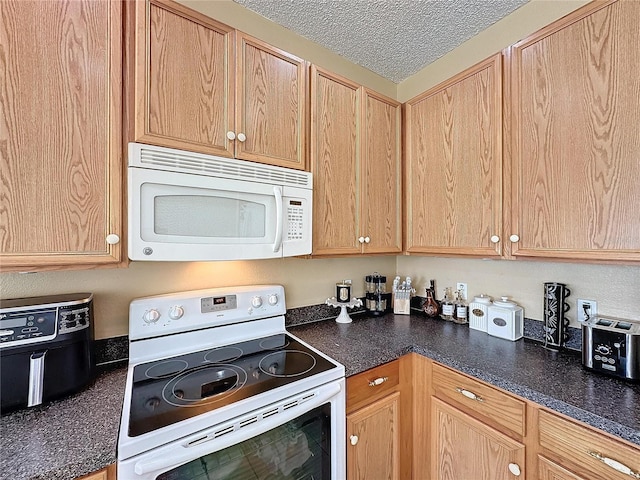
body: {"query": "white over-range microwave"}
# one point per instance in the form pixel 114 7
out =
pixel 186 206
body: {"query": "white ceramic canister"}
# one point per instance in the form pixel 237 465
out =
pixel 506 319
pixel 479 312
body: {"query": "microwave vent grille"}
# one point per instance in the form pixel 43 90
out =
pixel 223 167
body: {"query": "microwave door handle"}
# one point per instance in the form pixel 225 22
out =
pixel 36 378
pixel 277 192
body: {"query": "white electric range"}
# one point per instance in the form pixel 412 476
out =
pixel 217 388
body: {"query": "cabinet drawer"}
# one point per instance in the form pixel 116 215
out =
pixel 497 406
pixel 582 445
pixel 368 384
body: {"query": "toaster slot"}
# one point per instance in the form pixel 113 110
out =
pixel 623 325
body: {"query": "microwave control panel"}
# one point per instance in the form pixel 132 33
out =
pixel 295 220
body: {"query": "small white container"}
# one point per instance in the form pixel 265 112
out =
pixel 479 312
pixel 506 319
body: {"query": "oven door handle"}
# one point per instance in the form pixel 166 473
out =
pixel 200 444
pixel 277 192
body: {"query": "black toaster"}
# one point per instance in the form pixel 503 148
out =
pixel 46 348
pixel 612 346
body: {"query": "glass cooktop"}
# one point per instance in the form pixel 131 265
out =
pixel 174 389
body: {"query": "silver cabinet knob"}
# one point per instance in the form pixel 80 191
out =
pixel 113 239
pixel 515 469
pixel 367 239
pixel 231 135
pixel 361 239
pixel 353 439
pixel 514 238
pixel 494 239
pixel 242 137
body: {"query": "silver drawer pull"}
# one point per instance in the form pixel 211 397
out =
pixel 620 467
pixel 469 394
pixel 378 381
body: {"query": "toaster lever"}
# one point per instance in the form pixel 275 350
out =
pixel 36 378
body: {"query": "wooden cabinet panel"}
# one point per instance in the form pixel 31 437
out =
pixel 108 473
pixel 356 162
pixel 202 86
pixel 61 134
pixel 381 177
pixel 375 430
pixel 496 406
pixel 575 101
pixel 548 470
pixel 463 447
pixel 271 104
pixel 453 171
pixel 585 448
pixel 184 79
pixel 335 163
pixel 372 383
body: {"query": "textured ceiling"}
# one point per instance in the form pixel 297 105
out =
pixel 394 38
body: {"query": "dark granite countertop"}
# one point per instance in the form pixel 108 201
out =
pixel 78 435
pixel 556 380
pixel 66 438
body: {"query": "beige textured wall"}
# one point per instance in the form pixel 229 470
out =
pixel 615 288
pixel 306 282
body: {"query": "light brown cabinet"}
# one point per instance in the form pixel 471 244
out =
pixel 453 165
pixel 202 86
pixel 373 436
pixel 573 133
pixel 355 160
pixel 477 431
pixel 378 422
pixel 61 135
pixel 463 447
pixel 584 452
pixel 108 473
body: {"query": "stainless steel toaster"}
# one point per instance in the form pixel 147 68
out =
pixel 612 346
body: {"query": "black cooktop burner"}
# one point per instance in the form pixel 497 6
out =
pixel 212 378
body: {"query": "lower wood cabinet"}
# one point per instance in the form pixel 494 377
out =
pixel 108 473
pixel 378 422
pixel 548 470
pixel 465 448
pixel 417 419
pixel 373 440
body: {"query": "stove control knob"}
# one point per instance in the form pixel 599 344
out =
pixel 273 299
pixel 256 302
pixel 176 312
pixel 603 349
pixel 151 316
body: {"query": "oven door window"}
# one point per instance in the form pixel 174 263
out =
pixel 299 449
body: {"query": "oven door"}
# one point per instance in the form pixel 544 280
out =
pixel 300 437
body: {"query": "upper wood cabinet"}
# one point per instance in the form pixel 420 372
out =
pixel 61 134
pixel 575 101
pixel 453 165
pixel 355 160
pixel 202 86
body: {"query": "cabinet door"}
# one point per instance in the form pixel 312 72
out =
pixel 381 185
pixel 548 470
pixel 61 155
pixel 335 163
pixel 464 448
pixel 453 173
pixel 271 108
pixel 576 109
pixel 373 439
pixel 184 79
